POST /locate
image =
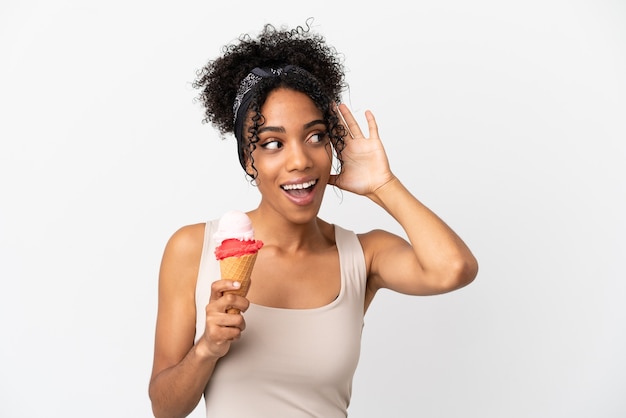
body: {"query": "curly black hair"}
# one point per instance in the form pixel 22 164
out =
pixel 219 80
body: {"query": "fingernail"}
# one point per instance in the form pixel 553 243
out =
pixel 236 285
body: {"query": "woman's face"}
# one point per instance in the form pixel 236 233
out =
pixel 293 156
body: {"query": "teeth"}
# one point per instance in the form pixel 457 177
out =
pixel 299 186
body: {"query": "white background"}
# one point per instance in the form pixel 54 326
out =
pixel 506 118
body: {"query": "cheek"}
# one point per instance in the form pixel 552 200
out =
pixel 326 156
pixel 330 151
pixel 263 165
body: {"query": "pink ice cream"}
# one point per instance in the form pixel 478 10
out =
pixel 235 236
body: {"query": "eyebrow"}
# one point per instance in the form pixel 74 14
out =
pixel 282 130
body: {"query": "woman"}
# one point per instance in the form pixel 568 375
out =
pixel 293 349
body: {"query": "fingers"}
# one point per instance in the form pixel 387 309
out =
pixel 352 125
pixel 221 327
pixel 218 288
pixel 228 326
pixel 371 124
pixel 348 121
pixel 222 299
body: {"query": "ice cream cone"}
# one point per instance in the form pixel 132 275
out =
pixel 238 269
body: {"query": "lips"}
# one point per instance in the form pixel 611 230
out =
pixel 299 186
pixel 300 193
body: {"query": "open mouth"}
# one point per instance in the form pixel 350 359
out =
pixel 299 189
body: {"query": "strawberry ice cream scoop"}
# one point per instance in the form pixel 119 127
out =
pixel 234 248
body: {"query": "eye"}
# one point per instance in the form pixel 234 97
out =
pixel 317 138
pixel 272 144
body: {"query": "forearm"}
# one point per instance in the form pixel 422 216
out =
pixel 441 253
pixel 176 391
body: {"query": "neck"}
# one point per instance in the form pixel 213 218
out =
pixel 290 236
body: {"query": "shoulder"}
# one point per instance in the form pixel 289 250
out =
pixel 378 239
pixel 181 258
pixel 187 239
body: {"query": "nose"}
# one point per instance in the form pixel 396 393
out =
pixel 298 158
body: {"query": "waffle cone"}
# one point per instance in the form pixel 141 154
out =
pixel 238 269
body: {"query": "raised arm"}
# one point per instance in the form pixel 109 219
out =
pixel 435 260
pixel 182 369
